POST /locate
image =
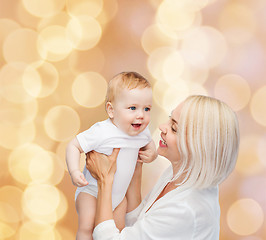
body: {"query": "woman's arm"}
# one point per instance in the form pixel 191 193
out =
pixel 165 220
pixel 103 168
pixel 133 194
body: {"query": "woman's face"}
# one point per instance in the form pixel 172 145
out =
pixel 168 143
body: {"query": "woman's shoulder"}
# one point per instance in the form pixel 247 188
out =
pixel 191 210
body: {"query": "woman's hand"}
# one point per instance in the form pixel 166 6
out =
pixel 101 166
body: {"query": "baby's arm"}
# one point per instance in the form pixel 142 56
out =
pixel 73 152
pixel 148 153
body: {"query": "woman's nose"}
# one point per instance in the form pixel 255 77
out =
pixel 163 128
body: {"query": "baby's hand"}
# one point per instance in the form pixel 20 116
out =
pixel 78 178
pixel 148 153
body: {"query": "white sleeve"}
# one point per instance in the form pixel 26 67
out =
pixel 132 216
pixel 89 139
pixel 171 222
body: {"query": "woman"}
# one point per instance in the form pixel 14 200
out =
pixel 201 140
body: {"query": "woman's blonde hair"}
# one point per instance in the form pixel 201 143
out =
pixel 208 141
pixel 123 80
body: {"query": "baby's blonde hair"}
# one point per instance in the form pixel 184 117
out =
pixel 208 141
pixel 125 80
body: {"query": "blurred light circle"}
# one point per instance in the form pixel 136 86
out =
pixel 12 136
pixel 81 61
pixel 84 7
pixel 209 49
pixel 254 187
pixel 156 61
pixel 238 23
pixel 7 231
pixel 233 90
pixel 6 27
pixel 60 19
pixel 53 43
pixel 36 230
pixel 262 150
pixel 41 174
pixel 108 12
pixel 12 196
pixel 25 40
pixel 30 162
pixel 169 96
pixel 257 106
pixel 172 14
pixel 12 81
pixel 159 90
pixel 24 17
pixel 62 207
pixel 248 162
pixel 49 79
pixel 251 238
pixel 31 81
pixel 173 67
pixel 61 153
pixel 197 89
pixel 174 95
pixel 58 169
pixel 84 32
pixel 17 114
pixel 196 74
pixel 43 8
pixel 153 38
pixel 8 220
pixel 61 123
pixel 245 217
pixel 51 216
pixel 187 5
pixel 89 89
pixel 41 199
pixel 64 232
pixel 180 34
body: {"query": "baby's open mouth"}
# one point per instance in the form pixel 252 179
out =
pixel 136 125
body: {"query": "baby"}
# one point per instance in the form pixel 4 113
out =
pixel 128 105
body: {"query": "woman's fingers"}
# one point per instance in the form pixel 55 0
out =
pixel 115 153
pixel 101 165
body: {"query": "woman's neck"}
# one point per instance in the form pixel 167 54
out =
pixel 181 177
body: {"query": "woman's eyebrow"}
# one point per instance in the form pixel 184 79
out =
pixel 173 120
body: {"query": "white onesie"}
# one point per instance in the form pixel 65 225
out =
pixel 103 137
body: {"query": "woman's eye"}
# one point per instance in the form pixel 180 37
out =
pixel 132 108
pixel 147 109
pixel 174 129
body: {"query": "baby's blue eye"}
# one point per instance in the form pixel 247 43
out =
pixel 147 109
pixel 132 108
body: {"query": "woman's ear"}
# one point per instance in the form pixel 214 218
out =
pixel 109 109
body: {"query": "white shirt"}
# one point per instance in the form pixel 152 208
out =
pixel 180 214
pixel 103 137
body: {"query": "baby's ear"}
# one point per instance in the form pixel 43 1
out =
pixel 109 109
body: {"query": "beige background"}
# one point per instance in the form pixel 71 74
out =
pixel 55 60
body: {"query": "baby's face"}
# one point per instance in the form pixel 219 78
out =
pixel 131 110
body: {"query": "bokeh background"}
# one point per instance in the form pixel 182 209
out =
pixel 56 58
